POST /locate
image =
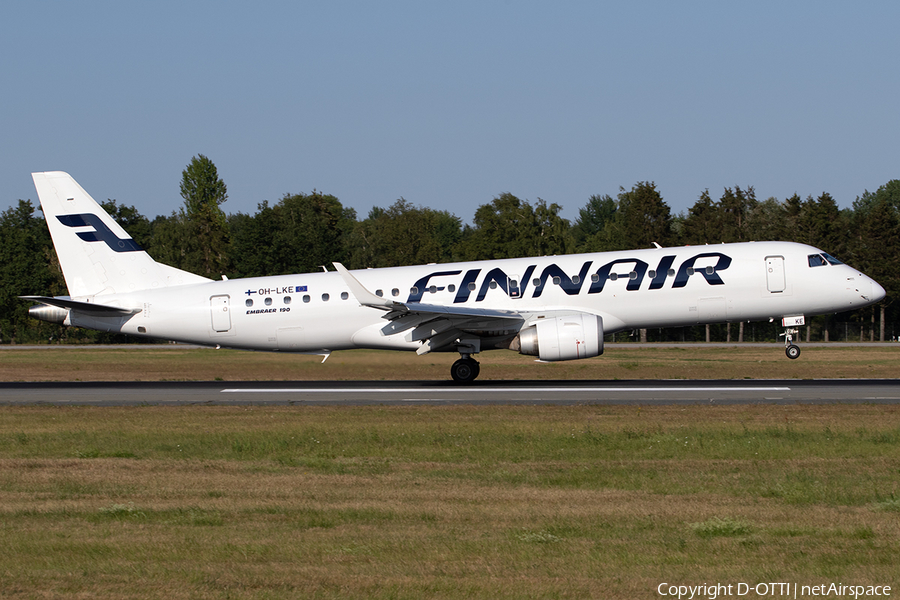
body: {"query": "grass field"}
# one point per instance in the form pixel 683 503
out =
pixel 444 501
pixel 175 363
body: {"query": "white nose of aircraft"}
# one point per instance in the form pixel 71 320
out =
pixel 877 291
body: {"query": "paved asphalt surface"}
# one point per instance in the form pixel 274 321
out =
pixel 824 391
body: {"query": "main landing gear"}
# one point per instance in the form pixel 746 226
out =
pixel 791 349
pixel 465 370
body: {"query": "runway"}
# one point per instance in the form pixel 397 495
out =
pixel 637 392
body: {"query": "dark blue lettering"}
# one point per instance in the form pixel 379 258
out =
pixel 713 278
pixel 523 283
pixel 662 272
pixel 640 268
pixel 422 284
pixel 493 275
pixel 463 293
pixel 565 282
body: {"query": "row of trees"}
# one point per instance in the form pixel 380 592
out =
pixel 302 232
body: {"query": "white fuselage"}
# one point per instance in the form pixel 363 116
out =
pixel 662 287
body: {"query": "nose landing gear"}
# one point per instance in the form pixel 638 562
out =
pixel 791 349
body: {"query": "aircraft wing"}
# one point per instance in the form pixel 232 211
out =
pixel 437 326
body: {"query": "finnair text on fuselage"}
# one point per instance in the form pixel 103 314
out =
pixel 572 285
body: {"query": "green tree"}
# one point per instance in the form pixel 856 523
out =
pixel 25 257
pixel 595 227
pixel 404 234
pixel 253 247
pixel 509 227
pixel 300 234
pixel 646 217
pixel 554 235
pixel 171 243
pixel 207 227
pixel 821 223
pixel 735 206
pixel 702 223
pixel 875 245
pixel 767 221
pixel 730 219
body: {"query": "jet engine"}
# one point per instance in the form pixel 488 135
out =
pixel 562 338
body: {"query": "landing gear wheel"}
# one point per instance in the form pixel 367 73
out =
pixel 465 370
pixel 792 351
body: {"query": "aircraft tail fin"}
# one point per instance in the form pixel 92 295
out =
pixel 97 256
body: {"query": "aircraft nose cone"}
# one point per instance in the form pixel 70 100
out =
pixel 878 292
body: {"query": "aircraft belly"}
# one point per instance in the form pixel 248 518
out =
pixel 306 328
pixel 372 337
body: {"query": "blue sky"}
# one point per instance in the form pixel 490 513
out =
pixel 450 104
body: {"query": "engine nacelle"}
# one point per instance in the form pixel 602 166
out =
pixel 562 338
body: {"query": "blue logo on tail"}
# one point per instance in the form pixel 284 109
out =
pixel 101 232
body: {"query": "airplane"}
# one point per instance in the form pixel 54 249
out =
pixel 553 307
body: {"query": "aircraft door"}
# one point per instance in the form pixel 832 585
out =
pixel 775 273
pixel 220 309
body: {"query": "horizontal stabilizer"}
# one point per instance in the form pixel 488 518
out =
pixel 96 310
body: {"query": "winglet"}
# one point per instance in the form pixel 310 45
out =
pixel 364 296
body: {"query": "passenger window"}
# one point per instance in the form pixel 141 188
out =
pixel 472 286
pixel 325 297
pixel 379 293
pixel 432 289
pixel 451 288
pixel 556 281
pixel 710 270
pixel 651 274
pixel 344 295
pixel 536 282
pixel 633 275
pixel 670 273
pixel 413 291
pixel 287 299
pixel 595 278
pixel 690 271
pixel 306 298
pixel 395 292
pixel 576 279
pixel 268 302
pixel 248 303
pixel 613 276
pixel 493 285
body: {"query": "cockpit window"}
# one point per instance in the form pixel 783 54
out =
pixel 831 259
pixel 816 260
